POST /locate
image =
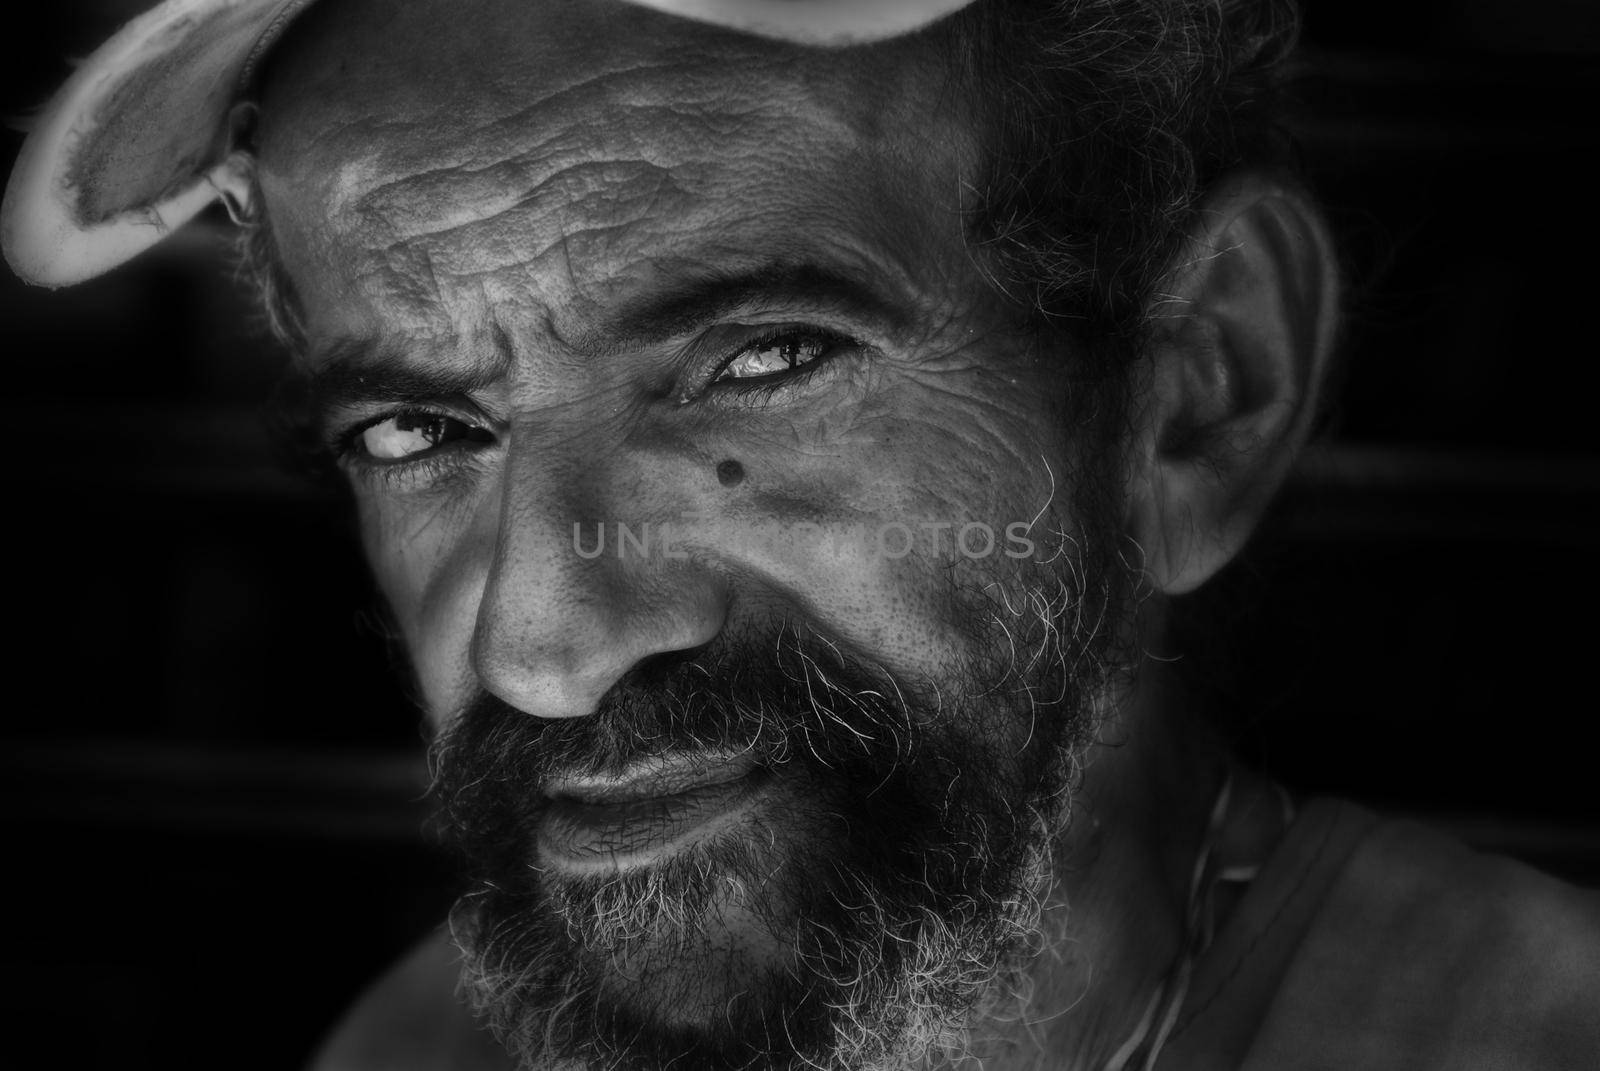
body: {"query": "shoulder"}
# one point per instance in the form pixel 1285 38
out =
pixel 1426 954
pixel 411 1019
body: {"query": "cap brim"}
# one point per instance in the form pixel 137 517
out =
pixel 137 142
pixel 125 151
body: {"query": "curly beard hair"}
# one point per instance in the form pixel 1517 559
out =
pixel 892 887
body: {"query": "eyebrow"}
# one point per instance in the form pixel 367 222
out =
pixel 685 307
pixel 349 371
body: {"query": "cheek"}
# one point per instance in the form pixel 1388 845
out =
pixel 430 565
pixel 889 531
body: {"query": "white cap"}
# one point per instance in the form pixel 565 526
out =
pixel 139 140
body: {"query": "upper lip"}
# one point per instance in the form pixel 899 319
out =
pixel 653 778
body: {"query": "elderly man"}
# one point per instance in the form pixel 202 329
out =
pixel 777 428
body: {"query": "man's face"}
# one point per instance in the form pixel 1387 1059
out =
pixel 723 510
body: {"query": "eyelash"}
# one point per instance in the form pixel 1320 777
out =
pixel 761 389
pixel 422 468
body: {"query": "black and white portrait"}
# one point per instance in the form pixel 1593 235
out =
pixel 845 535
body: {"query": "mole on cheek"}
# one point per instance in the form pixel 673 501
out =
pixel 731 473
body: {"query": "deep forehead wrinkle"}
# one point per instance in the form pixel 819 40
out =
pixel 543 129
pixel 514 141
pixel 556 205
pixel 539 150
pixel 584 213
pixel 432 195
pixel 583 188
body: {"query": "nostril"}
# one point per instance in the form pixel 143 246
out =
pixel 656 669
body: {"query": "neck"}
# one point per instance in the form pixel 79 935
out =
pixel 1115 923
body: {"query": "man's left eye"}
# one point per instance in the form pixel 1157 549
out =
pixel 407 435
pixel 778 354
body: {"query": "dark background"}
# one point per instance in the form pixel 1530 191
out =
pixel 210 782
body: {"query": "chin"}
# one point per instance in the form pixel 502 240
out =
pixel 791 938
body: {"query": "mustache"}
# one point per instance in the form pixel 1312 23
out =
pixel 791 697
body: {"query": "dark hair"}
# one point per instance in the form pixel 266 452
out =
pixel 260 269
pixel 1105 121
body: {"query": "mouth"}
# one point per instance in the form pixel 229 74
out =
pixel 649 811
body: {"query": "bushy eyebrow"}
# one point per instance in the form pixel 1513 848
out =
pixel 682 308
pixel 348 372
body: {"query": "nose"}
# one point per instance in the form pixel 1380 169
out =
pixel 560 623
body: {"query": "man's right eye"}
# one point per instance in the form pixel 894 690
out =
pixel 411 434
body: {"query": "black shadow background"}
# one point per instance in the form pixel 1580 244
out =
pixel 209 779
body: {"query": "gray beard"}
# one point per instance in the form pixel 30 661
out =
pixel 905 913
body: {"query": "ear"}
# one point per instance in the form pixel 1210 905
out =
pixel 234 178
pixel 1244 332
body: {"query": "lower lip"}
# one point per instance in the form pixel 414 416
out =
pixel 635 831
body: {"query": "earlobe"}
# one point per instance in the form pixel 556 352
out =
pixel 1243 335
pixel 235 185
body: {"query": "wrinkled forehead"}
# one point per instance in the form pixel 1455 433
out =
pixel 411 152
